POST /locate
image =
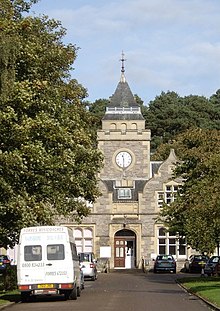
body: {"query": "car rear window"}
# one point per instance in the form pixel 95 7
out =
pixel 85 257
pixel 200 258
pixel 214 259
pixel 164 257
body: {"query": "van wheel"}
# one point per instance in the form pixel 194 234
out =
pixel 73 294
pixel 67 295
pixel 25 297
pixel 78 291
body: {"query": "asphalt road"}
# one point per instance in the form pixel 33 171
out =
pixel 124 291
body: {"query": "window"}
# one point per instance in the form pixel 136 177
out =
pixel 74 251
pixel 160 199
pixel 162 241
pixel 182 246
pixel 168 196
pixel 83 239
pixel 33 253
pixel 170 193
pixel 170 244
pixel 55 252
pixel 124 193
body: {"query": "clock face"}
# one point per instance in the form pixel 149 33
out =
pixel 123 159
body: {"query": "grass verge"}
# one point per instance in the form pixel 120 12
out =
pixel 9 296
pixel 205 287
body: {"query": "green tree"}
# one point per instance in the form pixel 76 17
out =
pixel 48 156
pixel 97 109
pixel 169 114
pixel 215 99
pixel 196 212
pixel 162 117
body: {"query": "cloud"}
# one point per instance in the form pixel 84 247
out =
pixel 169 45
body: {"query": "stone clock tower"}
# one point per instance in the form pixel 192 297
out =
pixel 123 139
pixel 125 144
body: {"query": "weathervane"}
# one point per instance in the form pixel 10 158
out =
pixel 122 62
pixel 122 67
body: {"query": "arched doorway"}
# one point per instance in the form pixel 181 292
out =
pixel 125 249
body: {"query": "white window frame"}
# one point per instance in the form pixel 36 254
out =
pixel 124 193
pixel 167 196
pixel 84 243
pixel 167 237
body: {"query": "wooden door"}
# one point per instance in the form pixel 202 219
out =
pixel 119 247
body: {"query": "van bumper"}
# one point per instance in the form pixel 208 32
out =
pixel 46 289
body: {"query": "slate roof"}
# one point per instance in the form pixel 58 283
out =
pixel 122 105
pixel 123 97
pixel 138 187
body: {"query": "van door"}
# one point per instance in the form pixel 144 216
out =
pixel 56 264
pixel 31 267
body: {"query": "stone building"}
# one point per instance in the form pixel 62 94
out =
pixel 122 225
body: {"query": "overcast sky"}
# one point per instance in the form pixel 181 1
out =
pixel 168 44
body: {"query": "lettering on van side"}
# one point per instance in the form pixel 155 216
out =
pixel 61 272
pixel 33 265
pixel 53 273
pixel 51 229
pixel 57 237
pixel 32 238
pixel 49 273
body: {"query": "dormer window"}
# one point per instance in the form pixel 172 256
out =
pixel 124 193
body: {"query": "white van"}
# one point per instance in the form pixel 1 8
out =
pixel 47 262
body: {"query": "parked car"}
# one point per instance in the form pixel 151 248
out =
pixel 211 265
pixel 4 262
pixel 88 265
pixel 195 263
pixel 217 269
pixel 165 263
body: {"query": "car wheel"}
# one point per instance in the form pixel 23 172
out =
pixel 78 291
pixel 155 270
pixel 73 294
pixel 93 278
pixel 190 270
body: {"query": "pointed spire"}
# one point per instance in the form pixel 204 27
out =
pixel 122 104
pixel 122 68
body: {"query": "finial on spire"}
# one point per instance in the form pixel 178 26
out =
pixel 122 67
